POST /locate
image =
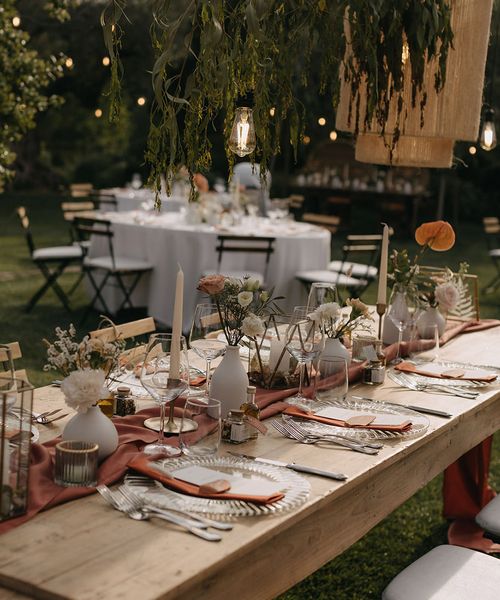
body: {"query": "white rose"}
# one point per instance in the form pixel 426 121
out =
pixel 82 389
pixel 252 326
pixel 252 284
pixel 447 295
pixel 245 298
pixel 326 312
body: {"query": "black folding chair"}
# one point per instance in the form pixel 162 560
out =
pixel 227 244
pixel 52 262
pixel 360 256
pixel 124 270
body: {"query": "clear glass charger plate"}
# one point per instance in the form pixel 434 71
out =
pixel 294 486
pixel 446 364
pixel 420 423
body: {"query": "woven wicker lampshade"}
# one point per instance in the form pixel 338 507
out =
pixel 410 151
pixel 453 114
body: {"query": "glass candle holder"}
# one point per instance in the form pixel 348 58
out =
pixel 76 464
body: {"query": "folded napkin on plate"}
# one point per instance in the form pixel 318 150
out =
pixel 434 370
pixel 355 419
pixel 145 465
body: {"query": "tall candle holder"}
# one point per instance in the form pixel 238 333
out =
pixel 381 308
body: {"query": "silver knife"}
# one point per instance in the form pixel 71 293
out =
pixel 419 409
pixel 292 466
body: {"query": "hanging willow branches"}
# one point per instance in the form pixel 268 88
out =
pixel 213 55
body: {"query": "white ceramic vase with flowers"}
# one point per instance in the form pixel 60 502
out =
pixel 85 366
pixel 239 303
pixel 336 322
pixel 444 298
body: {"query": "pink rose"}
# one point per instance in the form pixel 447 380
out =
pixel 212 284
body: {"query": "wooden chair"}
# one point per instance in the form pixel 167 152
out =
pixel 447 573
pixel 72 209
pixel 51 261
pixel 492 231
pixel 125 330
pixel 125 271
pixel 235 244
pixel 8 354
pixel 79 190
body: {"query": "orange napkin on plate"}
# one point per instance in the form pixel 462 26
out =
pixel 144 465
pixel 457 374
pixel 294 411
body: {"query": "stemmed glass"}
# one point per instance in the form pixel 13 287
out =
pixel 203 337
pixel 403 309
pixel 304 341
pixel 163 386
pixel 321 293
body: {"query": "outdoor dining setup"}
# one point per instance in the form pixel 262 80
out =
pixel 242 383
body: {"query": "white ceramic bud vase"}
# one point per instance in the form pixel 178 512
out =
pixel 432 316
pixel 93 426
pixel 334 348
pixel 229 382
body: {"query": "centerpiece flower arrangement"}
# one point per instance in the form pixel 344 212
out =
pixel 85 365
pixel 336 322
pixel 241 303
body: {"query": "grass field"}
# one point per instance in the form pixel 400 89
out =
pixel 361 572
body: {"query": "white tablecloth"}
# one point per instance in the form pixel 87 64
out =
pixel 166 242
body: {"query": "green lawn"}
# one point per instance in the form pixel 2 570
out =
pixel 359 573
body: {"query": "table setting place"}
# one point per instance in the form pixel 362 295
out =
pixel 173 424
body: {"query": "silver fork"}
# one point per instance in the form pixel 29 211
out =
pixel 134 509
pixel 407 382
pixel 283 428
pixel 299 429
pixel 142 481
pixel 290 421
pixel 45 420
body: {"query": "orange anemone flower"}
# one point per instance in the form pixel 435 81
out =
pixel 438 235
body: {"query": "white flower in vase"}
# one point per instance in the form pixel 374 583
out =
pixel 447 295
pixel 82 389
pixel 245 298
pixel 252 326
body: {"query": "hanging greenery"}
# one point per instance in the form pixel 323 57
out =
pixel 24 77
pixel 215 55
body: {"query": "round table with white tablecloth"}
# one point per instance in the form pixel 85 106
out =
pixel 166 241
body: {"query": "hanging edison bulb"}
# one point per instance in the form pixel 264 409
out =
pixel 488 136
pixel 242 139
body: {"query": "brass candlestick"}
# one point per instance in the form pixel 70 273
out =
pixel 380 312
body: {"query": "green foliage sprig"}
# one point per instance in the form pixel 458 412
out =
pixel 25 76
pixel 213 55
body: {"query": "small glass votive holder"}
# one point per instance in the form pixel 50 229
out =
pixel 76 464
pixel 360 342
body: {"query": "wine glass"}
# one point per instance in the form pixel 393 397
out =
pixel 203 337
pixel 304 341
pixel 403 309
pixel 321 292
pixel 165 375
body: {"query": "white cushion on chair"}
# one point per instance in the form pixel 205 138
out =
pixel 330 277
pixel 57 252
pixel 489 518
pixel 355 269
pixel 447 573
pixel 495 253
pixel 121 264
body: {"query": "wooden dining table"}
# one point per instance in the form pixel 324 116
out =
pixel 85 549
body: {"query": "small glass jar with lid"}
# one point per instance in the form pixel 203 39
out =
pixel 234 429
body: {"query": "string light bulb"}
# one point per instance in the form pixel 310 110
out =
pixel 106 61
pixel 16 21
pixel 333 135
pixel 306 139
pixel 98 113
pixel 69 62
pixel 242 140
pixel 322 121
pixel 472 150
pixel 141 101
pixel 488 136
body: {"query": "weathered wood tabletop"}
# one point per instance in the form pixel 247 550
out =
pixel 86 550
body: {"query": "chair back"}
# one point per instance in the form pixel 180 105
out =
pixel 362 249
pixel 80 190
pixel 330 222
pixel 125 330
pixel 491 227
pixel 103 199
pixel 8 354
pixel 74 209
pixel 86 227
pixel 25 224
pixel 227 244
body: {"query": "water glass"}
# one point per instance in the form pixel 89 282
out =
pixel 76 464
pixel 331 379
pixel 321 293
pixel 205 440
pixel 424 343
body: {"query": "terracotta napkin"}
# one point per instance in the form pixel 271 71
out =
pixel 145 466
pixel 297 412
pixel 456 374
